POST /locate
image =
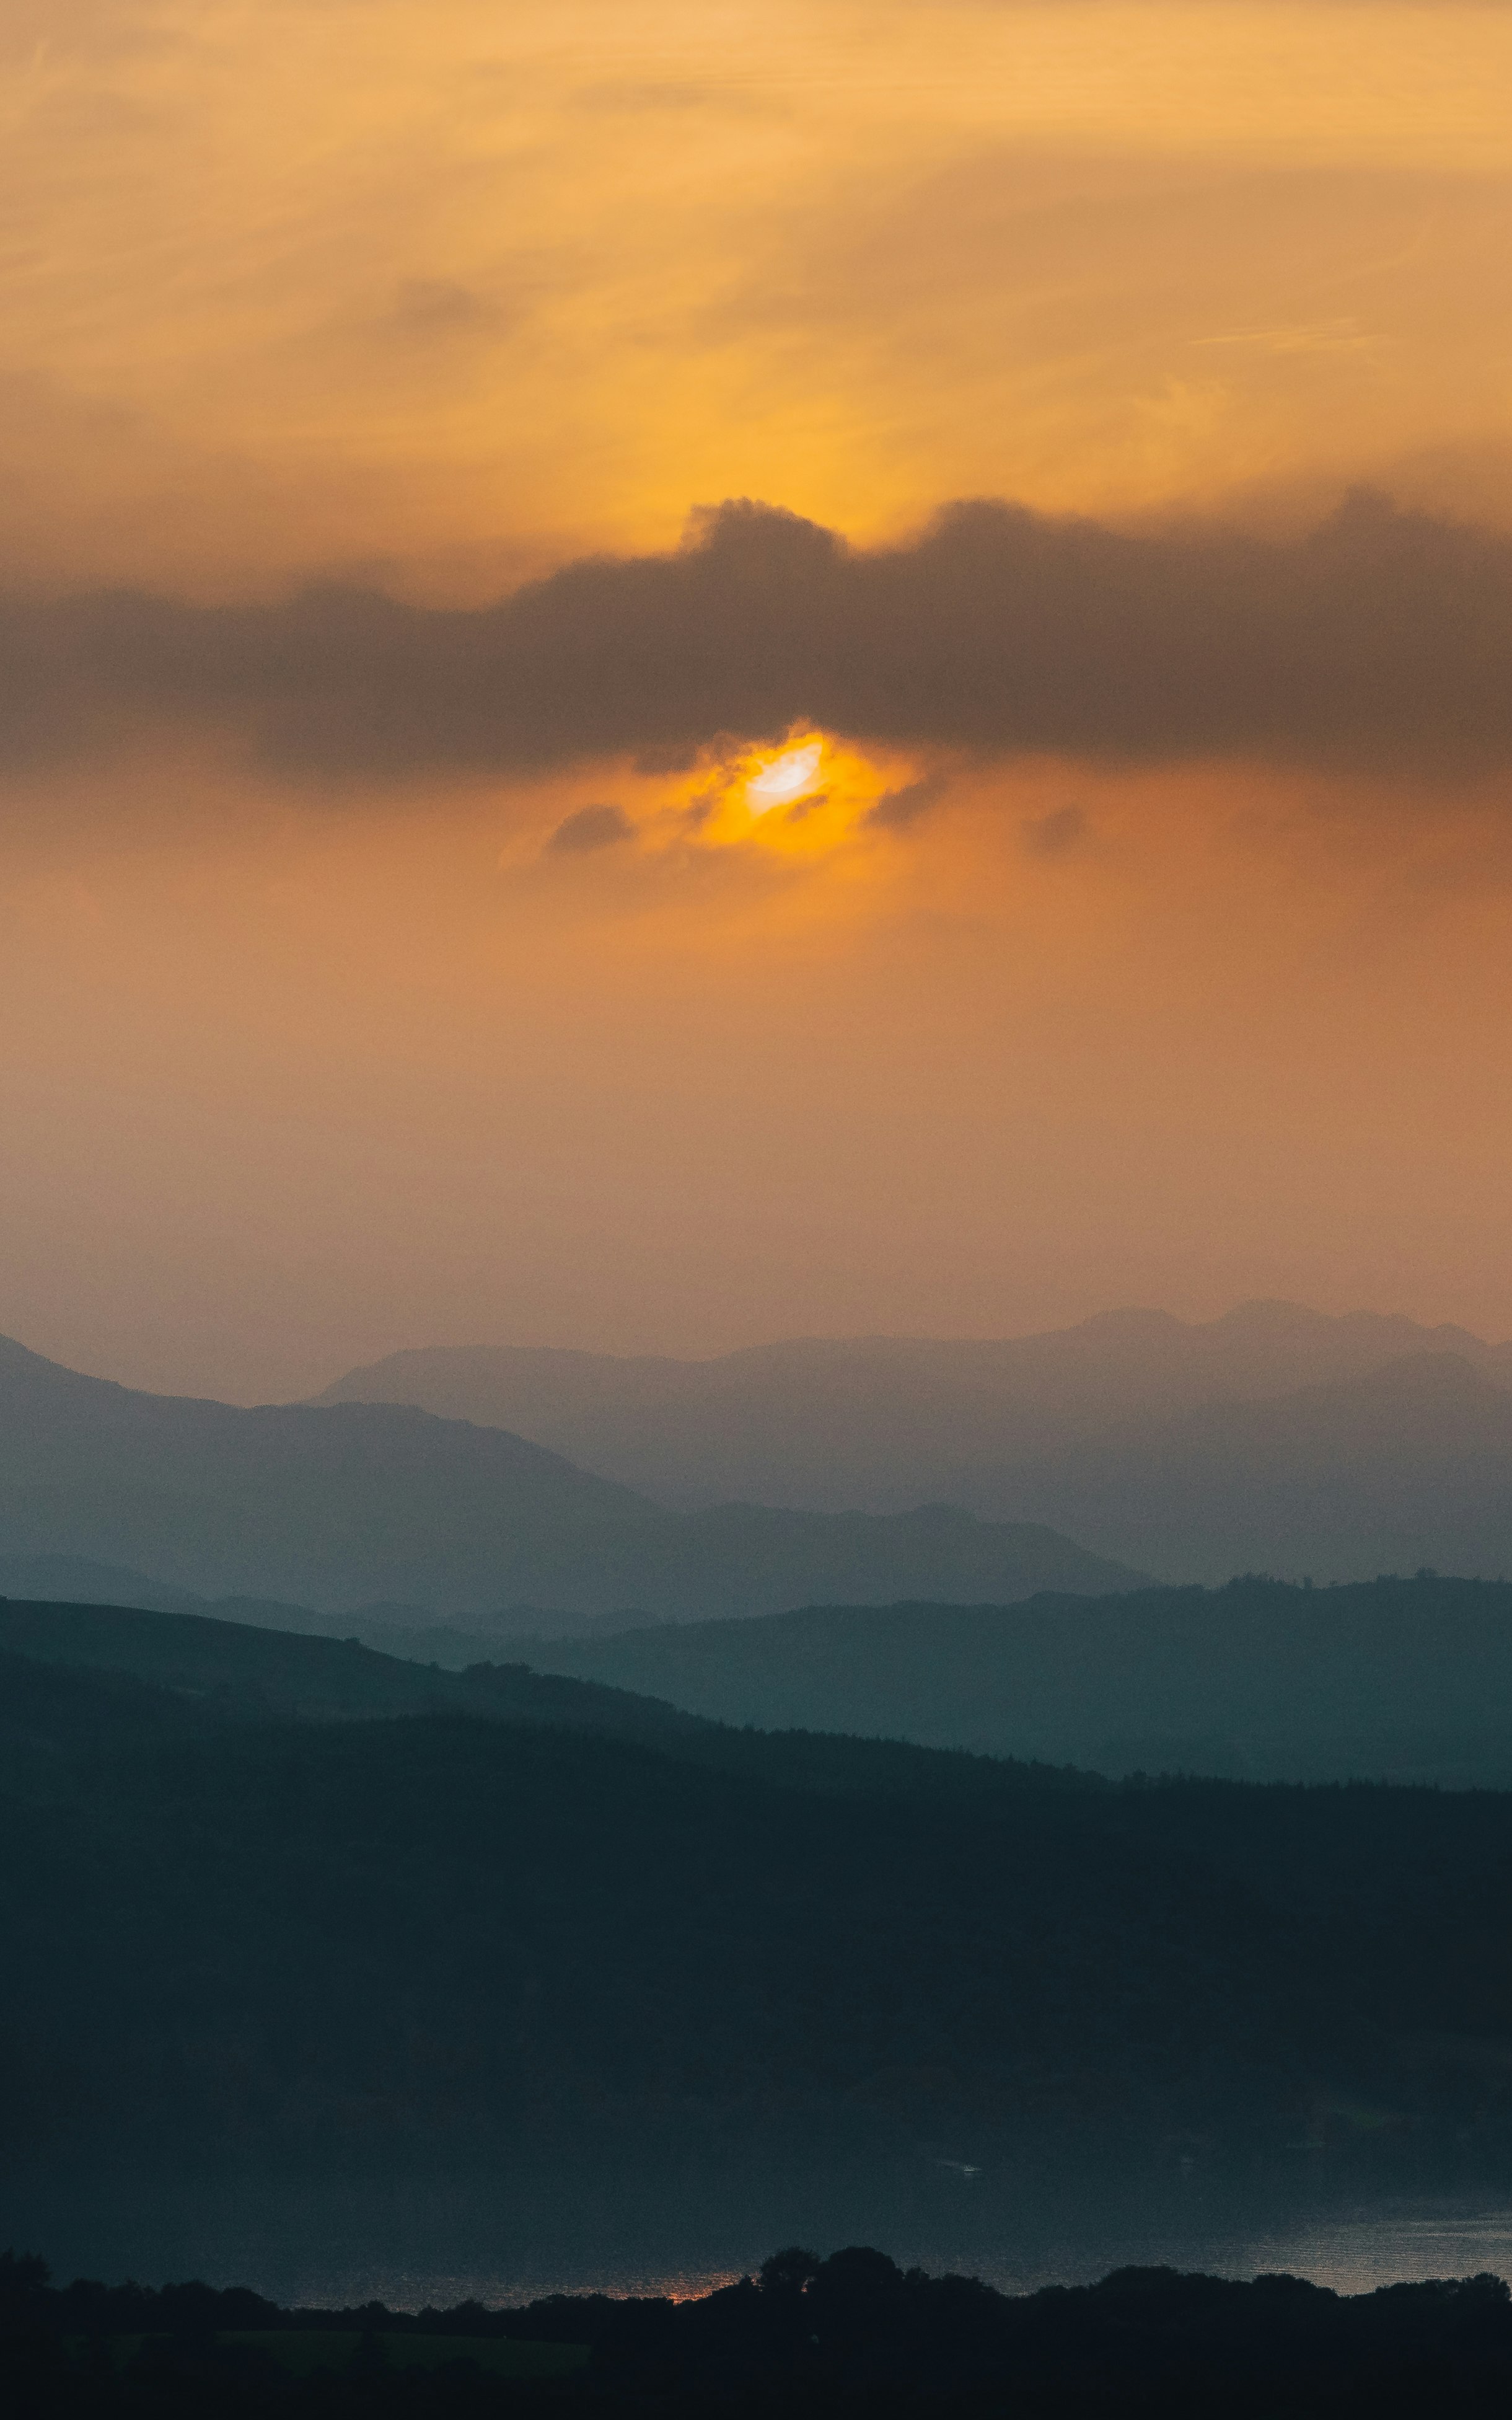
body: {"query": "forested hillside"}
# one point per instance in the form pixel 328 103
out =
pixel 1394 1679
pixel 458 1940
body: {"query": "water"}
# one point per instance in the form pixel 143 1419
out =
pixel 504 2241
pixel 1354 2253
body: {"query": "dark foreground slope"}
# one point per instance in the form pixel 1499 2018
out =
pixel 1408 1679
pixel 240 1671
pixel 849 2333
pixel 78 1679
pixel 361 1504
pixel 471 1944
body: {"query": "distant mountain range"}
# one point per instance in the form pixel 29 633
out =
pixel 1274 1438
pixel 1387 1680
pixel 1408 1467
pixel 404 1630
pixel 862 1473
pixel 365 1504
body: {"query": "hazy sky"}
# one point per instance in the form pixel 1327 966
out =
pixel 678 674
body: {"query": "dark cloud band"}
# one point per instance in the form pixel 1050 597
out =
pixel 1380 640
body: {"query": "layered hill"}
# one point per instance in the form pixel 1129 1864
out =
pixel 1274 1438
pixel 82 1683
pixel 77 1680
pixel 352 1504
pixel 1407 1467
pixel 246 1940
pixel 882 1420
pixel 228 1673
pixel 1407 1680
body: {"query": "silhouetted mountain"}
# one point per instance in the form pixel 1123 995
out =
pixel 236 1673
pixel 476 1941
pixel 405 1630
pixel 879 1422
pixel 1404 1679
pixel 358 1503
pixel 73 1579
pixel 72 1672
pixel 1409 1466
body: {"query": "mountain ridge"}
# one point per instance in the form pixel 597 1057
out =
pixel 1409 1465
pixel 1165 1444
pixel 878 1422
pixel 1402 1680
pixel 381 1504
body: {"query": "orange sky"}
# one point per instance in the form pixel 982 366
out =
pixel 300 1063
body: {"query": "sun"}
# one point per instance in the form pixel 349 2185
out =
pixel 783 781
pixel 809 796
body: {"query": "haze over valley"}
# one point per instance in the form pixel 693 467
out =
pixel 1274 1438
pixel 520 1490
pixel 354 1504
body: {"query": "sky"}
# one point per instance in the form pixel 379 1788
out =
pixel 680 674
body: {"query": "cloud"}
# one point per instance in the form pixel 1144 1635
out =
pixel 591 827
pixel 1382 639
pixel 897 807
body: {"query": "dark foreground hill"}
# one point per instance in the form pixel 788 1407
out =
pixel 90 1679
pixel 1274 1438
pixel 1397 1678
pixel 445 1941
pixel 79 1672
pixel 363 1503
pixel 853 2333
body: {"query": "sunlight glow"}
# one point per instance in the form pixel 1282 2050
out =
pixel 785 779
pixel 810 797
